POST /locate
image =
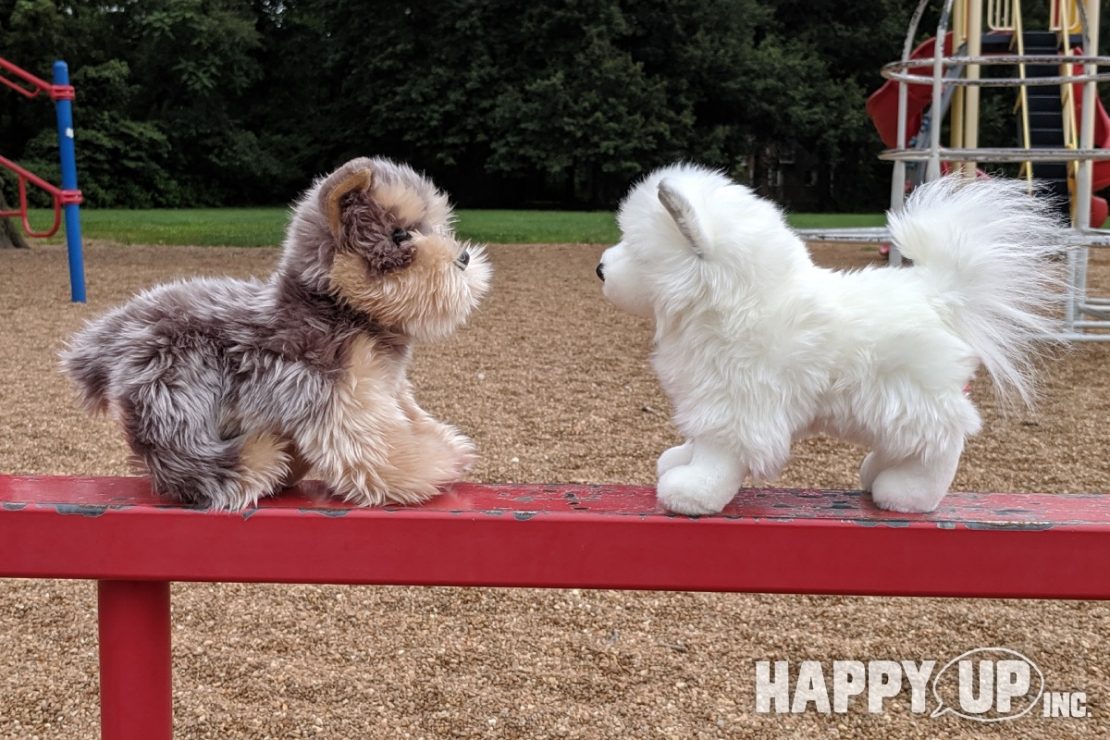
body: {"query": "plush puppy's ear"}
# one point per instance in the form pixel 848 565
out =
pixel 362 226
pixel 357 181
pixel 684 217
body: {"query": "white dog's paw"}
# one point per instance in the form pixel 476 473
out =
pixel 868 469
pixel 906 504
pixel 913 485
pixel 686 489
pixel 675 456
pixel 895 490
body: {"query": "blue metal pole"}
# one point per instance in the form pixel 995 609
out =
pixel 68 155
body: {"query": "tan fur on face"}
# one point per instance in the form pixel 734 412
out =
pixel 406 205
pixel 357 180
pixel 427 299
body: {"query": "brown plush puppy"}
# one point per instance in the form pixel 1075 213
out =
pixel 229 390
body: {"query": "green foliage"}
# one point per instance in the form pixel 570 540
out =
pixel 564 103
pixel 236 102
pixel 609 118
pixel 123 162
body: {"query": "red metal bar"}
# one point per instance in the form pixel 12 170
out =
pixel 136 700
pixel 823 542
pixel 37 84
pixel 60 198
pixel 31 176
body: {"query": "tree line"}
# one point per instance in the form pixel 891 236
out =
pixel 185 103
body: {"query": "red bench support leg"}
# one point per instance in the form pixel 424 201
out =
pixel 135 671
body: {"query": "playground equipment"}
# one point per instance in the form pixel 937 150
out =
pixel 1064 142
pixel 67 197
pixel 116 531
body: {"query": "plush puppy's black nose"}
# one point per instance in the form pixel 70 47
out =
pixel 600 272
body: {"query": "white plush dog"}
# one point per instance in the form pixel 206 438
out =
pixel 756 346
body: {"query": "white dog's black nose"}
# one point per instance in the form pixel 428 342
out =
pixel 601 272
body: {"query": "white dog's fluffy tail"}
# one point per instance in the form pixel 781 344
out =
pixel 990 251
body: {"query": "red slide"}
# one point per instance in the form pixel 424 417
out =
pixel 1100 177
pixel 882 107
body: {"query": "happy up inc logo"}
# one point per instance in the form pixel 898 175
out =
pixel 992 684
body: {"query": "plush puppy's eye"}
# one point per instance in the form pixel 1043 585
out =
pixel 400 235
pixel 463 260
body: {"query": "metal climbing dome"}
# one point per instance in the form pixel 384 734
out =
pixel 1063 140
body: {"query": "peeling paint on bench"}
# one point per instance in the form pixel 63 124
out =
pixel 115 530
pixel 575 535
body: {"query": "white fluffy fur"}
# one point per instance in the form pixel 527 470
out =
pixel 756 346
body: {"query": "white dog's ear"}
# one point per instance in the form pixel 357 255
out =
pixel 682 212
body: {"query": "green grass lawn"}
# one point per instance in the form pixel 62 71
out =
pixel 251 227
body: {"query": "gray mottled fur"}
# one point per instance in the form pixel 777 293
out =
pixel 193 369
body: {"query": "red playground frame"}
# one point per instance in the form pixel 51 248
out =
pixel 116 531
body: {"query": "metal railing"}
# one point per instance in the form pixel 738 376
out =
pixel 60 198
pixel 1001 15
pixel 1065 16
pixel 66 198
pixel 1023 94
pixel 1086 317
pixel 32 85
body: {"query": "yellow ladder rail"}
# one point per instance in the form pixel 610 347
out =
pixel 1023 93
pixel 1066 20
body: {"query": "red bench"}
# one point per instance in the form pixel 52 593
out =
pixel 785 541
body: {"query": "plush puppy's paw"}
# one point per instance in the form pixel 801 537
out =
pixel 687 489
pixel 673 457
pixel 464 452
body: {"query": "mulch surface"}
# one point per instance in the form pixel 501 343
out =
pixel 554 386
